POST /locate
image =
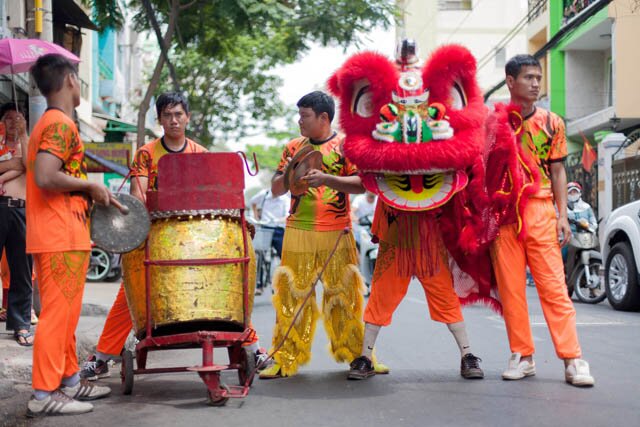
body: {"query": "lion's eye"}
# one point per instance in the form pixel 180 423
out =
pixel 458 98
pixel 362 101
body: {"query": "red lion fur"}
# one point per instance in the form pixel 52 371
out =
pixel 448 65
pixel 508 183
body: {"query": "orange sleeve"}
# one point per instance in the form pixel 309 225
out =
pixel 58 139
pixel 288 151
pixel 141 163
pixel 349 168
pixel 558 150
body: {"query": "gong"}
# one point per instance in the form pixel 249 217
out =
pixel 122 226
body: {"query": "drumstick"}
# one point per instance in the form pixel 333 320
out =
pixel 124 210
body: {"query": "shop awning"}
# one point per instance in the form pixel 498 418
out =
pixel 117 125
pixel 69 12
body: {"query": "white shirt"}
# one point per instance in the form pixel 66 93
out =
pixel 361 206
pixel 274 210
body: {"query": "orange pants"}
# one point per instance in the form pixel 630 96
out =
pixel 388 289
pixel 118 325
pixel 541 251
pixel 61 278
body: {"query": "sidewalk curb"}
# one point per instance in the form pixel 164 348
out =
pixel 16 362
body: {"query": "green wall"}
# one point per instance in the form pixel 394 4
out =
pixel 556 55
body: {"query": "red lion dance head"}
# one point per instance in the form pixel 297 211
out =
pixel 413 133
pixel 417 137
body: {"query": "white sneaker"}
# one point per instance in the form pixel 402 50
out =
pixel 577 374
pixel 518 369
pixel 57 403
pixel 85 390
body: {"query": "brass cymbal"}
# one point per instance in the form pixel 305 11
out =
pixel 299 185
pixel 288 172
pixel 302 163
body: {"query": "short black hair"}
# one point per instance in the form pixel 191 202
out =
pixel 49 72
pixel 515 64
pixel 171 99
pixel 9 106
pixel 319 102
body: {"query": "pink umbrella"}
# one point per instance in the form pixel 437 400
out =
pixel 19 55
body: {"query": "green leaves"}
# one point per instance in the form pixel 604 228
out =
pixel 107 13
pixel 224 51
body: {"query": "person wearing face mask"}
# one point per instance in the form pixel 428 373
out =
pixel 579 211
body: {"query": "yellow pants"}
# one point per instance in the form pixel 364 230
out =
pixel 304 254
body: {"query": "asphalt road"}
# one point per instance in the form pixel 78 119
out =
pixel 423 389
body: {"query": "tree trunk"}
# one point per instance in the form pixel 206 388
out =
pixel 164 49
pixel 155 77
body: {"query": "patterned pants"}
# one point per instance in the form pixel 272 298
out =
pixel 61 277
pixel 303 256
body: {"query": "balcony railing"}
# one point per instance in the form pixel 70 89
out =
pixel 573 8
pixel 536 8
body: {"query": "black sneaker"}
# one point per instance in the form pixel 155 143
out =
pixel 361 369
pixel 470 367
pixel 94 369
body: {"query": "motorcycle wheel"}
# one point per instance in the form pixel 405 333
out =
pixel 583 291
pixel 99 265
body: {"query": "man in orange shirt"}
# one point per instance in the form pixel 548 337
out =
pixel 530 234
pixel 58 202
pixel 173 113
pixel 316 220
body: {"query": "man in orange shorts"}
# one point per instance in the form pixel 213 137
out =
pixel 173 113
pixel 389 286
pixel 534 237
pixel 58 201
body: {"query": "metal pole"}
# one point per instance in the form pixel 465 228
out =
pixel 37 102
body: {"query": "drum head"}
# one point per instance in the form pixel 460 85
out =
pixel 118 233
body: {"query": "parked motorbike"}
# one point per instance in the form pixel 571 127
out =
pixel 368 251
pixel 584 271
pixel 103 266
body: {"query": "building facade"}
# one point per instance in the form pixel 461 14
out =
pixel 493 30
pixel 111 73
pixel 591 81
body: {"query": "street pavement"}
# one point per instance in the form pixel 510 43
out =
pixel 423 389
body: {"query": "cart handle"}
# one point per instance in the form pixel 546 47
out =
pixel 246 163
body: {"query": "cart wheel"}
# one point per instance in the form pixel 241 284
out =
pixel 247 366
pixel 126 373
pixel 217 401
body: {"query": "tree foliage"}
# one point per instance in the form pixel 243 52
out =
pixel 224 50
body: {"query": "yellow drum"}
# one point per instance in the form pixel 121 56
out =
pixel 188 298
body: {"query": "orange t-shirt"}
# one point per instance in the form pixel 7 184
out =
pixel 543 138
pixel 57 221
pixel 322 208
pixel 145 161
